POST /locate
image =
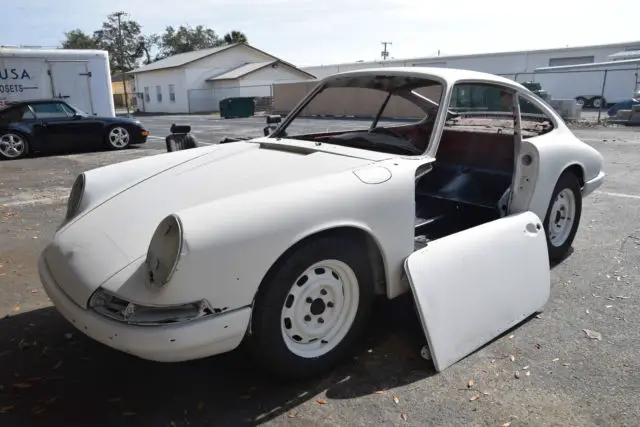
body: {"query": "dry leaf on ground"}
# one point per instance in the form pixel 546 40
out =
pixel 593 334
pixel 395 399
pixel 321 401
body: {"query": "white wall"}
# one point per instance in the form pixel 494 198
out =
pixel 269 75
pixel 197 72
pixel 501 63
pixel 163 78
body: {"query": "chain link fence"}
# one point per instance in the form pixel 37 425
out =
pixel 593 89
pixel 208 100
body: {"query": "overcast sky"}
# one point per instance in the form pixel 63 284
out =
pixel 314 32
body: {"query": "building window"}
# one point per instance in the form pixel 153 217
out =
pixel 576 60
pixel 159 93
pixel 172 93
pixel 147 97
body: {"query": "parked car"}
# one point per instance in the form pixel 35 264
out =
pixel 52 124
pixel 282 241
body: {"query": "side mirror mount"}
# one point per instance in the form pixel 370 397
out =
pixel 272 119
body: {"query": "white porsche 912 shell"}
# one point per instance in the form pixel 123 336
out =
pixel 240 207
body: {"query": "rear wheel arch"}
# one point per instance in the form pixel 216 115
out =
pixel 577 170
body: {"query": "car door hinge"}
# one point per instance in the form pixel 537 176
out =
pixel 85 74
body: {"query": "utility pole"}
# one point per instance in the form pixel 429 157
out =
pixel 385 53
pixel 121 54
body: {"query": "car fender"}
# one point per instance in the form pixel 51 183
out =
pixel 106 182
pixel 229 245
pixel 555 156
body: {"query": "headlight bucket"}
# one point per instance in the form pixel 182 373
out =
pixel 75 198
pixel 164 252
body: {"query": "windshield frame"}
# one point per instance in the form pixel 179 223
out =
pixel 406 92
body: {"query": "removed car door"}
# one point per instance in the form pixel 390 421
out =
pixel 474 285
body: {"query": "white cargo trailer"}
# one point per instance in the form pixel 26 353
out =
pixel 81 77
pixel 584 82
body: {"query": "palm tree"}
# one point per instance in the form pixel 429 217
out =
pixel 235 37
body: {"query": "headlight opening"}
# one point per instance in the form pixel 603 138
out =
pixel 75 198
pixel 164 251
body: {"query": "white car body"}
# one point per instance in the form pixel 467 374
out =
pixel 241 207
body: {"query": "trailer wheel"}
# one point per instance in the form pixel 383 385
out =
pixel 581 100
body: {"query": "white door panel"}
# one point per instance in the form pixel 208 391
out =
pixel 472 286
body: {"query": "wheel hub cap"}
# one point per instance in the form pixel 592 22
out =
pixel 317 307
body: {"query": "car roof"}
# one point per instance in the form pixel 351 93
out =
pixel 34 101
pixel 449 75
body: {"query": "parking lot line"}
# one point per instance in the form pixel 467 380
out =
pixel 626 196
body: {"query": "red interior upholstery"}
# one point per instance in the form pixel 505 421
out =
pixel 477 149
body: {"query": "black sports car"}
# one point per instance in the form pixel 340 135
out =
pixel 52 124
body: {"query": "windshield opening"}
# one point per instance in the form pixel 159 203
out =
pixel 78 111
pixel 386 113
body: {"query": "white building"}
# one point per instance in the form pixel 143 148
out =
pixel 197 81
pixel 516 65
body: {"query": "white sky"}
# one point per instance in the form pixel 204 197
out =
pixel 314 32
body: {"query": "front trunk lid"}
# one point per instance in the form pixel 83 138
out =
pixel 109 237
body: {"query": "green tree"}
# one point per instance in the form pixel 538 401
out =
pixel 187 39
pixel 146 45
pixel 78 39
pixel 235 37
pixel 122 42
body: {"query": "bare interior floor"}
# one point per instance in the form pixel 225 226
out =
pixel 465 187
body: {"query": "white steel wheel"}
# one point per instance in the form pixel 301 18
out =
pixel 312 308
pixel 118 137
pixel 597 103
pixel 12 145
pixel 563 213
pixel 320 308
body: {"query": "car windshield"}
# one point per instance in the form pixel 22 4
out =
pixel 387 113
pixel 78 110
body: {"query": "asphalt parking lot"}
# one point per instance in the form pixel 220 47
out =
pixel 52 375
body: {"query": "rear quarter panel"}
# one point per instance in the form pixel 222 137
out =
pixel 559 150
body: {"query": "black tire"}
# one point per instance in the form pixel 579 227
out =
pixel 583 100
pixel 568 180
pixel 25 141
pixel 266 340
pixel 598 99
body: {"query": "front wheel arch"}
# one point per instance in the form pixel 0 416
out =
pixel 362 237
pixel 262 337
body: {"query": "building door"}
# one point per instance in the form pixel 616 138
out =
pixel 70 81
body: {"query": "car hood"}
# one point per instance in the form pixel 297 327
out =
pixel 107 237
pixel 121 120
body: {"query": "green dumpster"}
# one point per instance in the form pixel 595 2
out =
pixel 237 107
